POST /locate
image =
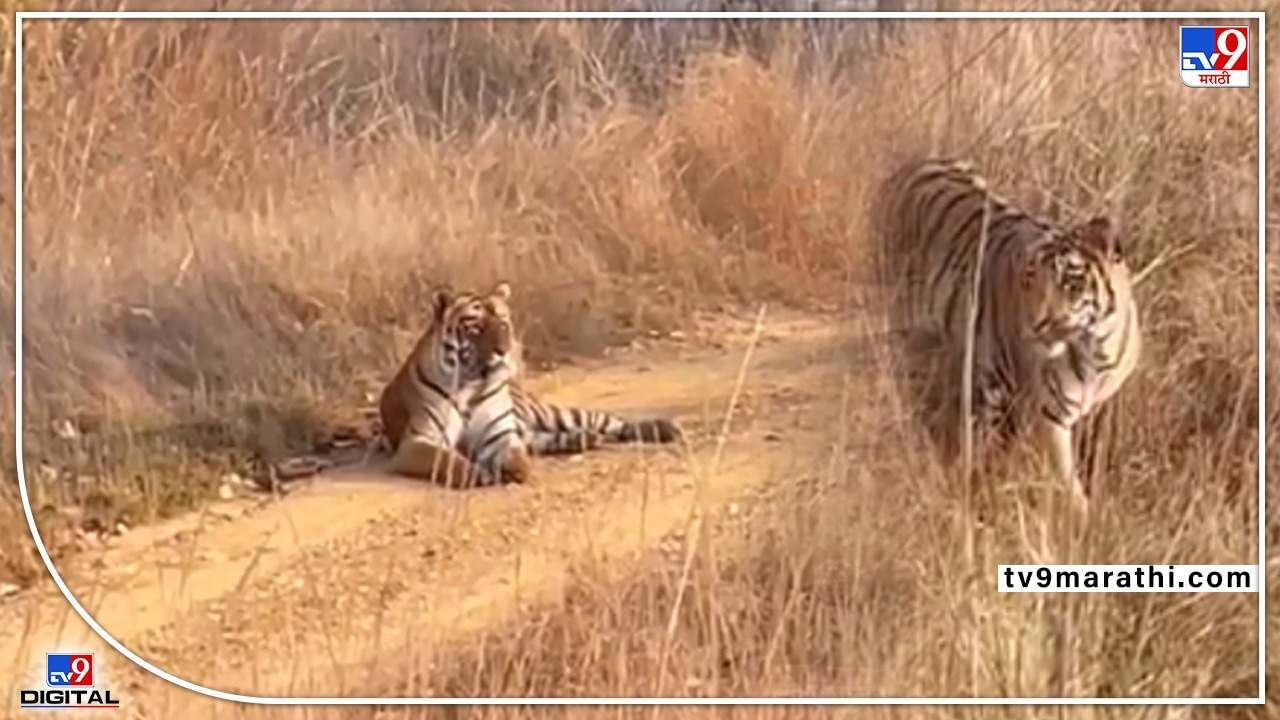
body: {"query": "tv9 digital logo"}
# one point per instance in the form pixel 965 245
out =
pixel 1214 56
pixel 70 678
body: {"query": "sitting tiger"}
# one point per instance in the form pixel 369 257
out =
pixel 426 408
pixel 456 410
pixel 1056 324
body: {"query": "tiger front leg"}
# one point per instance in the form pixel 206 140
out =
pixel 503 455
pixel 420 459
pixel 1055 440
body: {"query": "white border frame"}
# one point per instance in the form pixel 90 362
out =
pixel 1258 56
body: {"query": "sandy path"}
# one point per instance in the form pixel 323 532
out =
pixel 310 594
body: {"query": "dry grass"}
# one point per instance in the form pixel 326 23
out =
pixel 303 199
pixel 218 243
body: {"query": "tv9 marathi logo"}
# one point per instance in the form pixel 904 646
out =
pixel 1214 56
pixel 71 677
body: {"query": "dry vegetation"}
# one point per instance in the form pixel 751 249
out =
pixel 231 229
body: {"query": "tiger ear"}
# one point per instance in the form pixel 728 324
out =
pixel 1103 234
pixel 502 290
pixel 440 301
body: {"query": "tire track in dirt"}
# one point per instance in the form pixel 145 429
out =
pixel 305 595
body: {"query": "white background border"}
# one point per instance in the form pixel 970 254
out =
pixel 1257 55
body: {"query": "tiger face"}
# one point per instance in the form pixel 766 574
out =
pixel 1064 285
pixel 496 341
pixel 473 333
pixel 460 320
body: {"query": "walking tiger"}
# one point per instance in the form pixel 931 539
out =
pixel 1056 330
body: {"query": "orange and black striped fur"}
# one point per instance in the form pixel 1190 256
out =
pixel 456 410
pixel 426 409
pixel 548 429
pixel 1057 329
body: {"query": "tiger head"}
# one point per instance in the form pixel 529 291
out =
pixel 1069 282
pixel 475 332
pixel 459 318
pixel 497 344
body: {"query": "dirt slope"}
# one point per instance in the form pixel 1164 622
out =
pixel 313 592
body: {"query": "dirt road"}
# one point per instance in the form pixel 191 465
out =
pixel 305 594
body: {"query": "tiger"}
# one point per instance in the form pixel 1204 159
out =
pixel 1057 331
pixel 458 401
pixel 426 408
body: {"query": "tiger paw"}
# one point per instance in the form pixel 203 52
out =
pixel 516 469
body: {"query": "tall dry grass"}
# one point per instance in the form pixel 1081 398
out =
pixel 227 249
pixel 301 196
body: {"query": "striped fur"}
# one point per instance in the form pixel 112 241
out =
pixel 548 429
pixel 427 407
pixel 457 410
pixel 1057 329
pixel 493 438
